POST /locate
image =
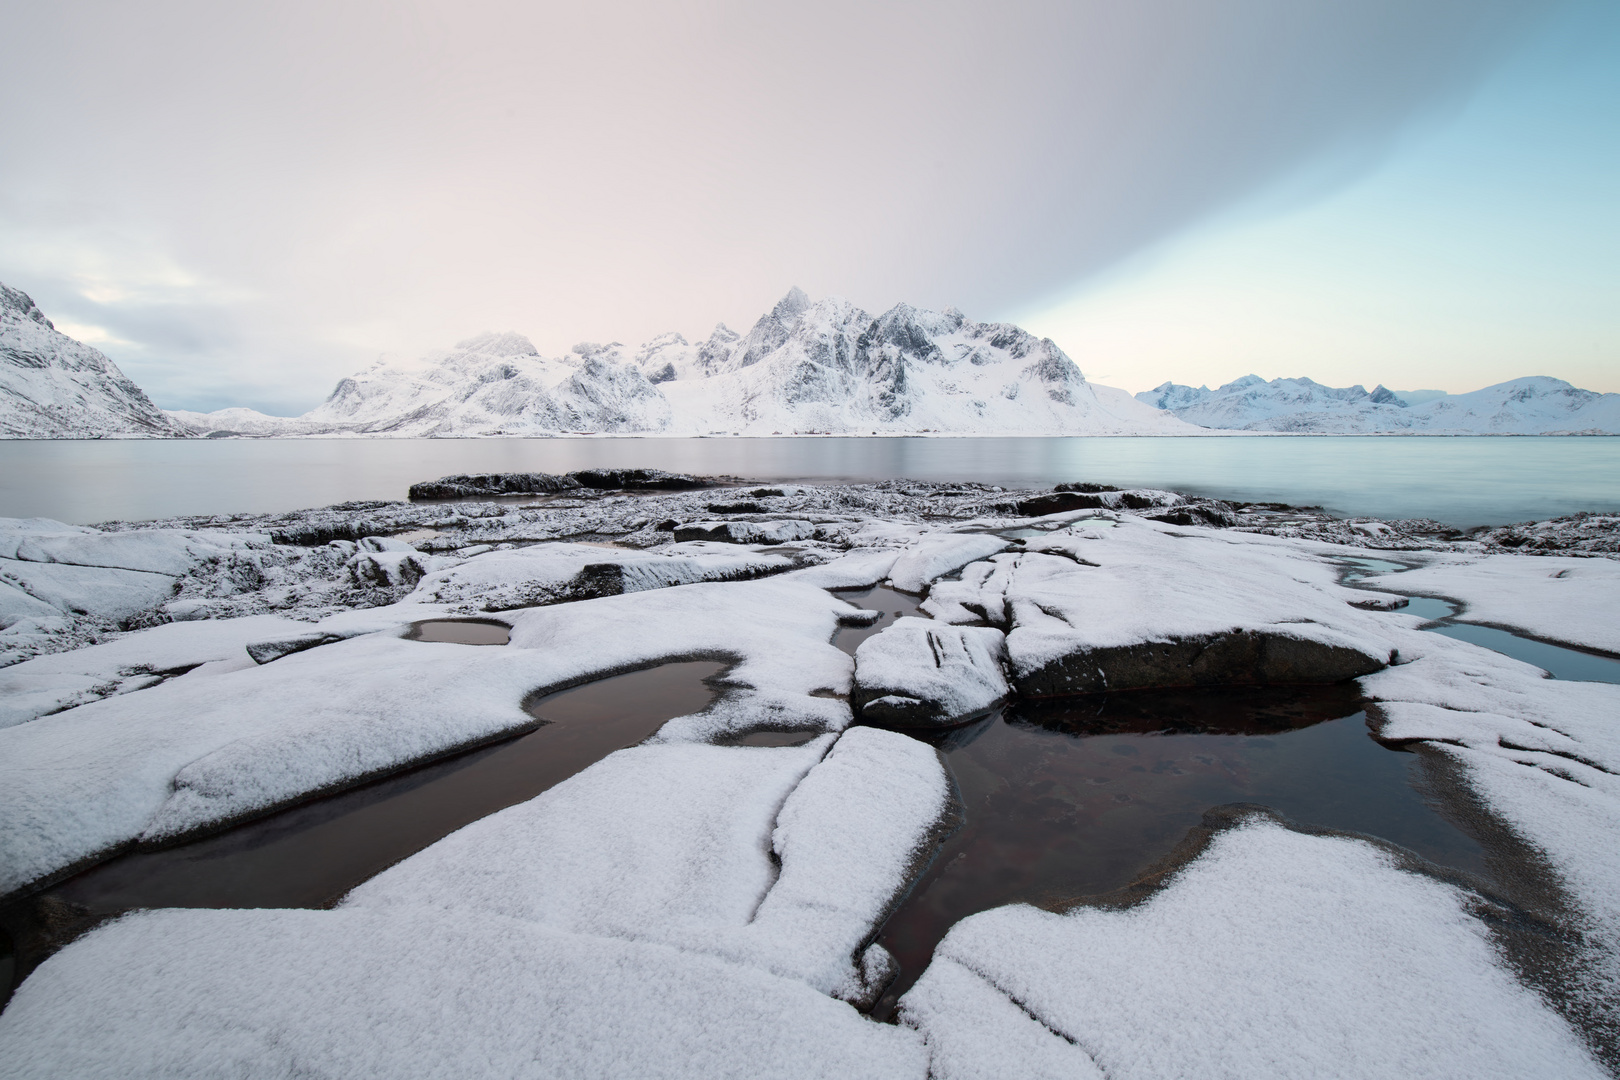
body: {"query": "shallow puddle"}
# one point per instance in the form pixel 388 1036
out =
pixel 312 854
pixel 461 631
pixel 1075 797
pixel 891 603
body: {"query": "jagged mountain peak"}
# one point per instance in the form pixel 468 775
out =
pixel 505 343
pixel 18 303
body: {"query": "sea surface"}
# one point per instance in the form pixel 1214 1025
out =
pixel 1463 481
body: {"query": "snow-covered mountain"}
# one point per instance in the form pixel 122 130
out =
pixel 52 387
pixel 804 367
pixel 1536 405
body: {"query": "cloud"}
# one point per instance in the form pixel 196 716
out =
pixel 307 170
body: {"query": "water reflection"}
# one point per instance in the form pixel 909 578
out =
pixel 1081 796
pixel 461 631
pixel 312 854
pixel 890 604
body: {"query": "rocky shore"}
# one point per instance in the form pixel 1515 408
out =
pixel 699 905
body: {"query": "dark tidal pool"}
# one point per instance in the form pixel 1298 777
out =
pixel 1082 796
pixel 311 854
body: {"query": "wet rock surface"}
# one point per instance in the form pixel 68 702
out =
pixel 1248 657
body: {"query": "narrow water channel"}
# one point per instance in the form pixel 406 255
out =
pixel 311 854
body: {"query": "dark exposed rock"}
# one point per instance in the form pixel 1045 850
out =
pixel 1213 513
pixel 1239 657
pixel 484 484
pixel 263 652
pixel 736 508
pixel 746 532
pixel 324 531
pixel 1060 502
pixel 638 480
pixel 1091 489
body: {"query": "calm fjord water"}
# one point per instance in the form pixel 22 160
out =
pixel 1462 481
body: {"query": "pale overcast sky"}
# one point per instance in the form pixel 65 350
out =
pixel 242 203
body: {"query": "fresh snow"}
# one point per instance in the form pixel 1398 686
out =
pixel 1142 582
pixel 1558 598
pixel 697 906
pixel 1274 954
pixel 358 992
pixel 919 673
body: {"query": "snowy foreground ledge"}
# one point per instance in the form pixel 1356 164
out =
pixel 692 907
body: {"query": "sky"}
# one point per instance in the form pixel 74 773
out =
pixel 240 204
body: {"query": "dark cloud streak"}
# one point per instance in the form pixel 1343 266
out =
pixel 329 171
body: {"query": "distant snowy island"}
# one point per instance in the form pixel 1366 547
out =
pixel 804 368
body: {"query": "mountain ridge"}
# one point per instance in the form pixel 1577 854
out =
pixel 804 367
pixel 1530 405
pixel 53 387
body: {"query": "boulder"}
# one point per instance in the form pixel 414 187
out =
pixel 919 673
pixel 485 484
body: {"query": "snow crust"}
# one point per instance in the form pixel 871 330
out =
pixel 407 992
pixel 1348 967
pixel 1559 598
pixel 549 572
pixel 49 684
pixel 916 672
pixel 775 857
pixel 936 556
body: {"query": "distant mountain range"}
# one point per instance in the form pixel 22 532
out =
pixel 1536 405
pixel 803 368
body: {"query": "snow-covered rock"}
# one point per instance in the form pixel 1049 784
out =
pixel 935 556
pixel 194 753
pixel 785 858
pixel 1536 405
pixel 49 684
pixel 1558 598
pixel 53 387
pixel 551 573
pixel 1140 604
pixel 919 673
pixel 1542 754
pixel 185 994
pixel 112 576
pixel 1273 954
